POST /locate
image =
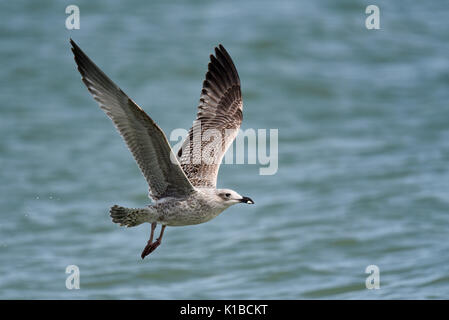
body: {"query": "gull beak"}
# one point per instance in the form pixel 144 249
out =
pixel 247 200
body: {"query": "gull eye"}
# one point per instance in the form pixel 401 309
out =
pixel 227 195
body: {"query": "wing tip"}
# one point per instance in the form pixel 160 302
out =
pixel 220 47
pixel 223 58
pixel 77 53
pixel 75 47
pixel 220 50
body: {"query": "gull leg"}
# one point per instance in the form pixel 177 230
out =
pixel 155 244
pixel 150 242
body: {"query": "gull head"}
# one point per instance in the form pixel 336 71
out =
pixel 230 197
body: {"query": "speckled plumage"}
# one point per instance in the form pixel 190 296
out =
pixel 199 207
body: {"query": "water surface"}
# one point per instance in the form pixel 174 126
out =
pixel 363 150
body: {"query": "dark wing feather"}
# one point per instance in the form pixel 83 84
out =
pixel 219 111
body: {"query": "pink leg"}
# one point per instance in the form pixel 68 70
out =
pixel 150 242
pixel 152 246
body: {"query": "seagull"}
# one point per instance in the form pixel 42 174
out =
pixel 182 186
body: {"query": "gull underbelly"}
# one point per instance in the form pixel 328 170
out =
pixel 183 212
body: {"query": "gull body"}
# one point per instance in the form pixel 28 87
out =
pixel 182 186
pixel 201 206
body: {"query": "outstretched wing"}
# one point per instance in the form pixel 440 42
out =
pixel 144 138
pixel 218 121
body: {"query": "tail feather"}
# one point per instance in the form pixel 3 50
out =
pixel 128 217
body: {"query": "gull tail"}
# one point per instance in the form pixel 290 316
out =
pixel 130 217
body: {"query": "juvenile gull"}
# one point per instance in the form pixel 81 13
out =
pixel 182 187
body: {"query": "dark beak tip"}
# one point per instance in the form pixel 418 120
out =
pixel 247 200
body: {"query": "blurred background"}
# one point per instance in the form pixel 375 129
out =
pixel 363 150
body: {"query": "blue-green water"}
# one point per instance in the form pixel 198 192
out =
pixel 363 177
